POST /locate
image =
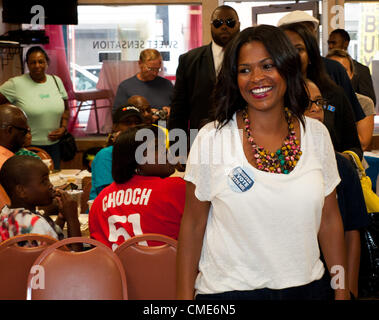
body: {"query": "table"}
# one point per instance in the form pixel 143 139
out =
pixel 64 176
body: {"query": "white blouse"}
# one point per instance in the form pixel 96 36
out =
pixel 262 227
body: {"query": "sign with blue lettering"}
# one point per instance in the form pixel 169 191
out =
pixel 240 179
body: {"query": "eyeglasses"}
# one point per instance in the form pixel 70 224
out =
pixel 217 23
pixel 154 69
pixel 320 102
pixel 24 131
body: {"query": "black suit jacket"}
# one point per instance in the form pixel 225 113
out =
pixel 362 82
pixel 195 80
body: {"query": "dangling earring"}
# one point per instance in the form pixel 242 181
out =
pixel 138 171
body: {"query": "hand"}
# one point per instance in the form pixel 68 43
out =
pixel 56 134
pixel 155 117
pixel 167 109
pixel 68 207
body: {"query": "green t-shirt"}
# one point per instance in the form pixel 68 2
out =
pixel 42 102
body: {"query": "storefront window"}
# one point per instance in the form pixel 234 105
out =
pixel 112 37
pixel 362 23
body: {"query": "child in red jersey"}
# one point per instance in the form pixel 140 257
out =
pixel 142 198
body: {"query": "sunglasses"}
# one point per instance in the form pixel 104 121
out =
pixel 24 131
pixel 217 23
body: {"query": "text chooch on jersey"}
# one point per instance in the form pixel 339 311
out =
pixel 125 197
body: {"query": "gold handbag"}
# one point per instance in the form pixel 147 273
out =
pixel 371 198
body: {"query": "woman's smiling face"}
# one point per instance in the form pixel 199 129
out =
pixel 259 80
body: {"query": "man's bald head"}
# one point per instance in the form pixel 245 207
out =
pixel 143 105
pixel 13 127
pixel 137 101
pixel 9 113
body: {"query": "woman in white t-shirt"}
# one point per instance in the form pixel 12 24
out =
pixel 254 219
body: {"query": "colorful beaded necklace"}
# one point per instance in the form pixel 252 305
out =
pixel 285 158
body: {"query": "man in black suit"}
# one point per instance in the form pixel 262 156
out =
pixel 197 71
pixel 361 81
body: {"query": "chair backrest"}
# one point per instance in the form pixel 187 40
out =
pixel 150 270
pixel 93 95
pixel 15 264
pixel 4 199
pixel 94 274
pixel 44 155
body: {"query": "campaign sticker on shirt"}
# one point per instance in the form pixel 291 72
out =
pixel 331 108
pixel 240 179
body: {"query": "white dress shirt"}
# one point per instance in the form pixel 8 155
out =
pixel 218 55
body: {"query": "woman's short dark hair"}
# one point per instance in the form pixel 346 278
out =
pixel 227 98
pixel 124 161
pixel 316 70
pixel 36 49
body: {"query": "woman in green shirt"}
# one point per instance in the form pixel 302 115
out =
pixel 44 100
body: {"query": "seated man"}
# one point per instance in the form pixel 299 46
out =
pixel 26 181
pixel 149 116
pixel 143 106
pixel 13 130
pixel 123 118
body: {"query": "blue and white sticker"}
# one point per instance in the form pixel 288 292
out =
pixel 240 179
pixel 331 108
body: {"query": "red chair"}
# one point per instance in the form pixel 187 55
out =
pixel 150 270
pixel 94 274
pixel 4 199
pixel 15 264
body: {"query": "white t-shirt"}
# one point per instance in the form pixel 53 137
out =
pixel 42 102
pixel 266 236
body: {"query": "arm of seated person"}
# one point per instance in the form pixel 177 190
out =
pixel 69 209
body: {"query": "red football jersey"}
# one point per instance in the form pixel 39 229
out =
pixel 141 205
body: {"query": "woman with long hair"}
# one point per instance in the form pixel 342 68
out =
pixel 339 116
pixel 261 182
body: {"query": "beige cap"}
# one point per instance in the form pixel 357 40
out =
pixel 298 16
